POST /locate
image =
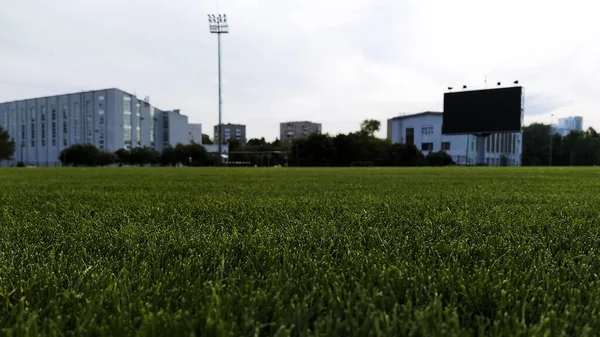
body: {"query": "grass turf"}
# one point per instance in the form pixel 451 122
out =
pixel 329 252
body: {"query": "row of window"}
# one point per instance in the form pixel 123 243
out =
pixel 429 146
pixel 128 122
pixel 502 143
pixel 89 127
pixel 54 127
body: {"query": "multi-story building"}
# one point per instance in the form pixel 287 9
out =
pixel 425 131
pixel 301 129
pixel 568 124
pixel 110 119
pixel 230 131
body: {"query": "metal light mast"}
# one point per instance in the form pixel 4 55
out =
pixel 218 25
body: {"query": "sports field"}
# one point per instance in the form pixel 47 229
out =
pixel 300 252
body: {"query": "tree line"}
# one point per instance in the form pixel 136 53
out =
pixel 360 148
pixel 542 148
pixel 185 155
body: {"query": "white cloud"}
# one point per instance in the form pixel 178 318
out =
pixel 333 61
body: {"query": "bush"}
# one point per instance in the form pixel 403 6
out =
pixel 85 155
pixel 440 158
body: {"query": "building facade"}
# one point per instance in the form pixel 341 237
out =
pixel 289 131
pixel 231 131
pixel 568 124
pixel 109 119
pixel 425 131
pixel 195 133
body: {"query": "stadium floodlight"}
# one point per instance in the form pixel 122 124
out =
pixel 218 25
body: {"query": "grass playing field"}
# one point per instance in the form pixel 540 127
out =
pixel 284 251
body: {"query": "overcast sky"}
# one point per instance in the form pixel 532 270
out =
pixel 331 61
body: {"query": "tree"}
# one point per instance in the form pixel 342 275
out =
pixel 85 155
pixel 143 155
pixel 257 142
pixel 234 144
pixel 440 158
pixel 168 157
pixel 576 148
pixel 190 154
pixel 7 145
pixel 206 139
pixel 370 126
pixel 405 155
pixel 122 157
pixel 316 150
pixel 197 153
pixel 104 158
pixel 536 144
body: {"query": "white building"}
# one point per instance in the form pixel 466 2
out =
pixel 110 119
pixel 425 131
pixel 195 133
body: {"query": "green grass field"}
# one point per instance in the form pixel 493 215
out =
pixel 299 252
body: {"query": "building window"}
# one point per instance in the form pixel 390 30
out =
pixel 23 127
pixel 77 123
pixel 90 122
pixel 426 146
pixel 446 146
pixel 152 126
pixel 65 125
pixel 410 135
pixel 32 114
pixel 100 129
pixel 4 119
pixel 54 131
pixel 13 118
pixel 127 121
pixel 138 129
pixel 43 129
pixel 427 130
pixel 166 130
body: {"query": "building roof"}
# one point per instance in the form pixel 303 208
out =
pixel 435 113
pixel 304 122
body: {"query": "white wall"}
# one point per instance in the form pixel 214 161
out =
pixel 178 128
pixel 195 133
pixel 462 147
pixel 458 143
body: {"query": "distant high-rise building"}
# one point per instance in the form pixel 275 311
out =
pixel 301 129
pixel 568 124
pixel 109 119
pixel 231 131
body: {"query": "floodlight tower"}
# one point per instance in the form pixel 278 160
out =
pixel 218 25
